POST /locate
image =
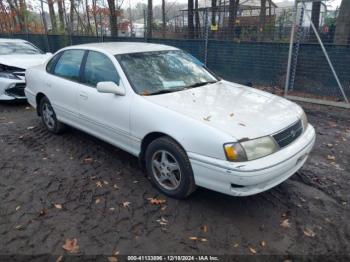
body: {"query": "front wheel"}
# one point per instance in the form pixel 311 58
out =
pixel 169 168
pixel 48 117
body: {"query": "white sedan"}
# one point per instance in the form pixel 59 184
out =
pixel 16 56
pixel 187 126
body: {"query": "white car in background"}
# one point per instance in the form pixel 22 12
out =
pixel 15 57
pixel 188 127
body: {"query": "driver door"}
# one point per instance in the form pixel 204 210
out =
pixel 105 115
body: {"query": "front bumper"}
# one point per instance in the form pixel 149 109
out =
pixel 12 89
pixel 252 177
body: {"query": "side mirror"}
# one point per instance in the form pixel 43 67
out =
pixel 110 87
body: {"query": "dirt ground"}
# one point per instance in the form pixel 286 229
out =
pixel 54 188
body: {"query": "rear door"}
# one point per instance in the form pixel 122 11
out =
pixel 62 84
pixel 105 115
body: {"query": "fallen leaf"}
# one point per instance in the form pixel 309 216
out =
pixel 232 114
pixel 162 221
pixel 205 228
pixel 155 201
pixel 309 233
pixel 98 200
pixel 27 108
pixel 112 259
pixel 71 245
pixel 88 160
pixel 126 204
pixel 193 238
pixel 252 250
pixel 330 145
pixel 112 208
pixel 115 186
pixel 59 259
pixel 99 184
pixel 204 240
pixel 18 227
pixel 105 182
pixel 241 124
pixel 329 157
pixel 135 182
pixel 207 118
pixel 58 206
pixel 263 243
pixel 43 212
pixel 163 208
pixel 285 223
pixel 302 199
pixel 18 207
pixel 235 245
pixel 30 127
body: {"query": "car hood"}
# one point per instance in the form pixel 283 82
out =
pixel 237 110
pixel 23 61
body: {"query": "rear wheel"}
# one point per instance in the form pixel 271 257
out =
pixel 169 168
pixel 48 117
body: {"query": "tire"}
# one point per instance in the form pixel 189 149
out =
pixel 52 125
pixel 169 168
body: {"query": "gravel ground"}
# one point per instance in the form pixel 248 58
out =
pixel 74 186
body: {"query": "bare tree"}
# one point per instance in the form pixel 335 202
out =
pixel 89 29
pixel 190 19
pixel 94 14
pixel 113 17
pixel 14 14
pixel 262 20
pixel 163 19
pixel 52 15
pixel 61 14
pixel 213 12
pixel 71 16
pixel 196 18
pixel 315 18
pixel 149 18
pixel 342 31
pixel 232 9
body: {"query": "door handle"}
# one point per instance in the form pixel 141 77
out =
pixel 83 95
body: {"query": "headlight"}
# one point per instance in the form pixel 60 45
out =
pixel 250 149
pixel 8 75
pixel 304 120
pixel 235 152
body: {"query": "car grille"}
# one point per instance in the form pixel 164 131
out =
pixel 287 136
pixel 17 90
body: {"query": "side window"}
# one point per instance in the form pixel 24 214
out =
pixel 99 68
pixel 68 66
pixel 51 64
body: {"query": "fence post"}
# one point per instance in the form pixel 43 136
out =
pixel 145 28
pixel 206 37
pixel 291 45
pixel 327 57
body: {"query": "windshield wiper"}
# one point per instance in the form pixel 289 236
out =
pixel 165 91
pixel 200 84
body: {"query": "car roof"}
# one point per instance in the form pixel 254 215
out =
pixel 7 40
pixel 116 48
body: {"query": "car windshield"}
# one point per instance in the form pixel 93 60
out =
pixel 12 48
pixel 162 72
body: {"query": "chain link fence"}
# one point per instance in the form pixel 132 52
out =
pixel 250 45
